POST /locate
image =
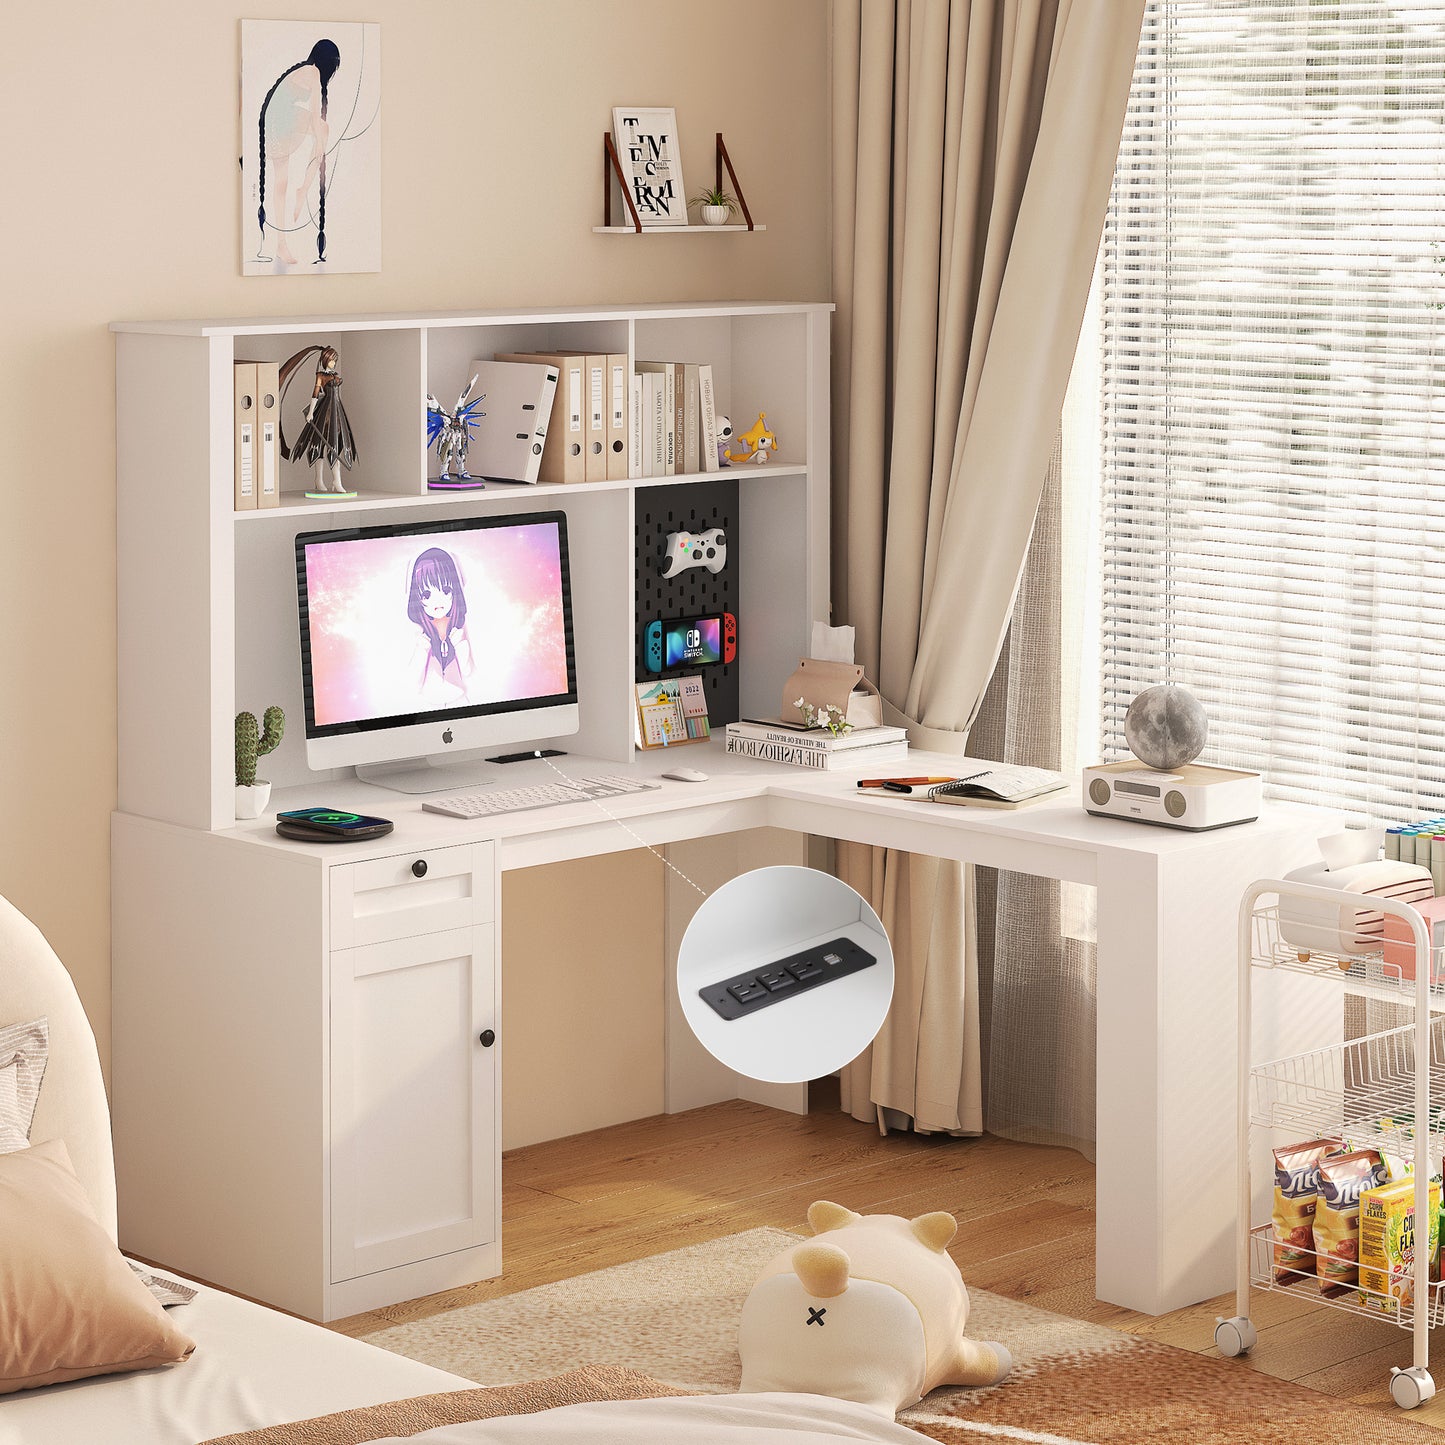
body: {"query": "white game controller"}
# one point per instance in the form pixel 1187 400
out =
pixel 694 549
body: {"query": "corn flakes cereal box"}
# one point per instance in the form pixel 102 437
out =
pixel 1387 1244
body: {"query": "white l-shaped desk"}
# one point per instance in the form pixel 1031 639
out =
pixel 1167 906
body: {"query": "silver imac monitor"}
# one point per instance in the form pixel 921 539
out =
pixel 422 641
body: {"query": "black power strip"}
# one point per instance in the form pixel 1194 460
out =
pixel 735 998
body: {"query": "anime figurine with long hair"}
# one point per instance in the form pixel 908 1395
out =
pixel 325 440
pixel 437 603
pixel 294 135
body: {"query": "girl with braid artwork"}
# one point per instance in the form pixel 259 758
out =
pixel 310 128
pixel 294 134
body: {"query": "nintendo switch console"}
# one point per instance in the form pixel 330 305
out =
pixel 694 549
pixel 690 641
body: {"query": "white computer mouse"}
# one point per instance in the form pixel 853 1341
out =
pixel 686 775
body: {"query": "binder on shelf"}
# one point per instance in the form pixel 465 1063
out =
pixel 264 383
pixel 707 418
pixel 596 433
pixel 618 394
pixel 510 439
pixel 268 402
pixel 563 456
pixel 248 435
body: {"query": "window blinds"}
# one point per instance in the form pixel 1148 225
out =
pixel 1273 384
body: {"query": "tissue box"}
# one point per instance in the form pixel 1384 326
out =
pixel 840 684
pixel 1400 941
pixel 1308 926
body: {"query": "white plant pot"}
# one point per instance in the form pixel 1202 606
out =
pixel 714 215
pixel 251 802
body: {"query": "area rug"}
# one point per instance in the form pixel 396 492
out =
pixel 674 1316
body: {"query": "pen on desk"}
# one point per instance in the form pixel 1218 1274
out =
pixel 901 785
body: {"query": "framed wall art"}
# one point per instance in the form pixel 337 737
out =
pixel 646 141
pixel 310 147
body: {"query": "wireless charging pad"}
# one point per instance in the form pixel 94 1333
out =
pixel 330 825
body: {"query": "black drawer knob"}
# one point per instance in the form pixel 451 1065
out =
pixel 487 1038
pixel 419 868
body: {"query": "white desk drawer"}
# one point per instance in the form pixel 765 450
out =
pixel 410 894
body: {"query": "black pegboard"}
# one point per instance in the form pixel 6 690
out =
pixel 694 507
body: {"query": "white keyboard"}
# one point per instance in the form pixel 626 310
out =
pixel 543 795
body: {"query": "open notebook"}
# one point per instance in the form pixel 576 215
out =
pixel 996 785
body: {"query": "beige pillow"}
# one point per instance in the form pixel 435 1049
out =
pixel 70 1303
pixel 24 1049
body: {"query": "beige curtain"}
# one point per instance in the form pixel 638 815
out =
pixel 1036 955
pixel 973 149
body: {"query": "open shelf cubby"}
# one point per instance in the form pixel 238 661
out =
pixel 218 585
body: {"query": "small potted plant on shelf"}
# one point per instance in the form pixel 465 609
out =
pixel 717 205
pixel 254 740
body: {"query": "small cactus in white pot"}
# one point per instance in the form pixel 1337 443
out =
pixel 253 741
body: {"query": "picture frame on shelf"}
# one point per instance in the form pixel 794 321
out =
pixel 645 138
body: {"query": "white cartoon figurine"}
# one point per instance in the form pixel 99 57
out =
pixel 758 442
pixel 872 1310
pixel 724 438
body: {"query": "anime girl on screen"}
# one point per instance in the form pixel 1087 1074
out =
pixel 436 602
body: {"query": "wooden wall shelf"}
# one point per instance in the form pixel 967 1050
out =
pixel 688 230
pixel 612 170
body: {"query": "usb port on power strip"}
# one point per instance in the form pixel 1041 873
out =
pixel 746 993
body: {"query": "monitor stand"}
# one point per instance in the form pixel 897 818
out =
pixel 422 775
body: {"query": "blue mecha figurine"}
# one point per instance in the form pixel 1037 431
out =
pixel 451 433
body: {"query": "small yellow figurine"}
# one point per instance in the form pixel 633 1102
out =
pixel 759 442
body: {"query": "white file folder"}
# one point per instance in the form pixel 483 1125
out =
pixel 510 437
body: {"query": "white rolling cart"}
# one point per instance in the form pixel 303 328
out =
pixel 1370 1089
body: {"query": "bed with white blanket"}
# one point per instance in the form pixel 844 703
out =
pixel 251 1366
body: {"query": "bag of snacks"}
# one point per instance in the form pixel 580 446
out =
pixel 1337 1217
pixel 1387 1245
pixel 1296 1187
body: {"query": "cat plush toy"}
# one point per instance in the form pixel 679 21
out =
pixel 872 1309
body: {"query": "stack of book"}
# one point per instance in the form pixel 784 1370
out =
pixel 673 419
pixel 779 742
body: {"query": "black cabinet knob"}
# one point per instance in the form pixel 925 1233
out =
pixel 419 868
pixel 487 1038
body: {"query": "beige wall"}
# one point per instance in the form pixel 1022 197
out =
pixel 121 200
pixel 582 996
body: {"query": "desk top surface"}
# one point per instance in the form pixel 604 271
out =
pixel 739 793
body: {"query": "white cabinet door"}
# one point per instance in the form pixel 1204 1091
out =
pixel 414 1082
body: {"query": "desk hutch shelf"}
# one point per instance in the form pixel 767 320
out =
pixel 314 1031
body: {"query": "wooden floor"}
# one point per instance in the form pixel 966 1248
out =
pixel 1025 1212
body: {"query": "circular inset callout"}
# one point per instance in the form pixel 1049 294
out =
pixel 785 974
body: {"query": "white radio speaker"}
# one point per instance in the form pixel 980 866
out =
pixel 1194 797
